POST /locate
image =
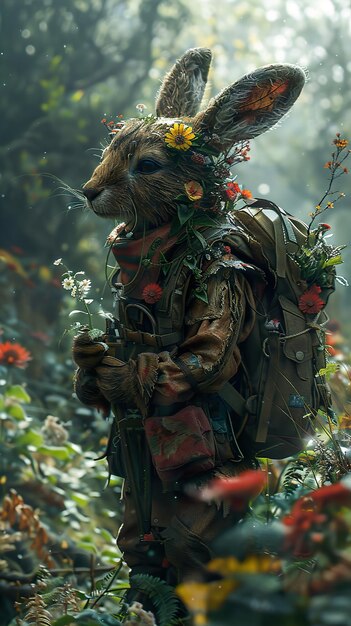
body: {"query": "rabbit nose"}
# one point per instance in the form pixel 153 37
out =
pixel 91 193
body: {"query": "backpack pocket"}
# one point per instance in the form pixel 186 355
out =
pixel 181 445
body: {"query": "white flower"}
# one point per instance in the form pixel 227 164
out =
pixel 84 286
pixel 74 291
pixel 141 107
pixel 58 262
pixel 68 283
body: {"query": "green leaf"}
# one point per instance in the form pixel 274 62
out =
pixel 201 294
pixel 65 619
pixel 80 498
pixel 58 452
pixel 201 239
pixel 190 262
pixel 205 220
pixel 18 392
pixel 335 260
pixel 16 411
pixel 88 546
pixel 30 438
pixel 107 536
pixel 329 370
pixel 185 213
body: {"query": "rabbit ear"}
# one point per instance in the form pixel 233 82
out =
pixel 183 87
pixel 252 105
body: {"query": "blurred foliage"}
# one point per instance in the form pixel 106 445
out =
pixel 64 66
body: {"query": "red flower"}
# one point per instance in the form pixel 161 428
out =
pixel 227 250
pixel 338 493
pixel 232 190
pixel 310 302
pixel 238 490
pixel 246 194
pixel 152 293
pixel 308 520
pixel 304 519
pixel 14 354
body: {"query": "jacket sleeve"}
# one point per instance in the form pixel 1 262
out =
pixel 208 357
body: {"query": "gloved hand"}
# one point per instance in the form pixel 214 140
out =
pixel 102 376
pixel 88 352
pixel 118 381
pixel 88 392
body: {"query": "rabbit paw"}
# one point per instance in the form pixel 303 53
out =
pixel 88 392
pixel 87 351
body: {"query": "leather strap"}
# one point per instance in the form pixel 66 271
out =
pixel 233 398
pixel 269 388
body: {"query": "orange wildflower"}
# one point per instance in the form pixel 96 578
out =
pixel 193 190
pixel 14 354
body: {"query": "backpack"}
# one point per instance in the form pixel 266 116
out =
pixel 280 387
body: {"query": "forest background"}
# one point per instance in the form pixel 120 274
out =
pixel 64 66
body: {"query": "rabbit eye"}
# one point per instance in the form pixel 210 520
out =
pixel 147 166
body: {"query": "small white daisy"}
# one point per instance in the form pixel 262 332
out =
pixel 68 283
pixel 84 286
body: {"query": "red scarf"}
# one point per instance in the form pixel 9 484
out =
pixel 129 254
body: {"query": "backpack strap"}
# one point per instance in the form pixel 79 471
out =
pixel 283 231
pixel 233 398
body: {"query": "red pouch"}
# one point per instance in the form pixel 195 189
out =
pixel 181 445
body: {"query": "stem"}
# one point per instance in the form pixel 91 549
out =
pixel 90 319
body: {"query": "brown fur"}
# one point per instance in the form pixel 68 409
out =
pixel 243 110
pixel 127 194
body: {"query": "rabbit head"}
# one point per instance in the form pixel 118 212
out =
pixel 150 160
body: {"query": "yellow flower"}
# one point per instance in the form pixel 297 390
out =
pixel 253 564
pixel 193 190
pixel 179 136
pixel 200 597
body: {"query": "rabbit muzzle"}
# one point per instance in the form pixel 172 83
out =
pixel 102 201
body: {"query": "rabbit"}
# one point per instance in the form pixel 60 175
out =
pixel 167 364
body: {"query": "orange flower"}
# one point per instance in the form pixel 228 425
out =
pixel 246 194
pixel 14 354
pixel 232 190
pixel 340 143
pixel 193 190
pixel 238 490
pixel 152 293
pixel 310 302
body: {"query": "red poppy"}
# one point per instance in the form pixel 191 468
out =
pixel 14 354
pixel 238 490
pixel 152 293
pixel 310 302
pixel 232 190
